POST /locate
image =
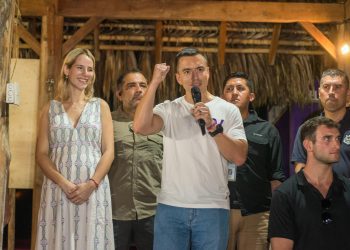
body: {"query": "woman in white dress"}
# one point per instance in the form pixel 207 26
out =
pixel 75 150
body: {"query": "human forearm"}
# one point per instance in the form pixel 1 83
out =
pixel 143 119
pixel 145 122
pixel 103 165
pixel 50 171
pixel 234 150
pixel 281 244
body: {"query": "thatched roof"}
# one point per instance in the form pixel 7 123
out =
pixel 126 43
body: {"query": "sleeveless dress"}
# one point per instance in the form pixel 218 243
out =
pixel 76 153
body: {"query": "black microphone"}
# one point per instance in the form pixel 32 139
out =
pixel 197 97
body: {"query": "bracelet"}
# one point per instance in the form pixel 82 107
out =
pixel 95 182
pixel 213 124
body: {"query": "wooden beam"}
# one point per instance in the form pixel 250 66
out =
pixel 274 43
pixel 33 7
pixel 320 38
pixel 209 50
pixel 28 38
pixel 80 34
pixel 189 39
pixel 222 43
pixel 240 11
pixel 158 41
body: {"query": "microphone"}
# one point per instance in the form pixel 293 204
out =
pixel 197 97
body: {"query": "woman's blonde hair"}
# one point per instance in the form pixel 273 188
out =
pixel 62 93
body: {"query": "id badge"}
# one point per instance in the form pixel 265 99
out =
pixel 232 171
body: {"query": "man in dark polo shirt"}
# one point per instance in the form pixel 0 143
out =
pixel 311 209
pixel 250 192
pixel 136 170
pixel 333 93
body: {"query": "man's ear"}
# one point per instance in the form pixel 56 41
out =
pixel 307 145
pixel 177 78
pixel 251 97
pixel 118 94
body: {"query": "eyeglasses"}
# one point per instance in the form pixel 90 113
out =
pixel 326 215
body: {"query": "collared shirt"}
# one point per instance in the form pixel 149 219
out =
pixel 251 192
pixel 342 167
pixel 135 175
pixel 296 214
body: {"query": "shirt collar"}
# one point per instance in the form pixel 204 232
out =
pixel 252 117
pixel 337 185
pixel 120 115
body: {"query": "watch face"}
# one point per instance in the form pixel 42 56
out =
pixel 218 130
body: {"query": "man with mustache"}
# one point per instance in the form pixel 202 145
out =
pixel 136 170
pixel 333 93
pixel 251 190
pixel 310 210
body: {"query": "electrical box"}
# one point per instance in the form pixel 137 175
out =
pixel 12 93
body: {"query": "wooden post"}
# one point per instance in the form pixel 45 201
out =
pixel 43 97
pixel 7 12
pixel 347 37
pixel 158 42
pixel 11 232
pixel 274 43
pixel 97 43
pixel 222 43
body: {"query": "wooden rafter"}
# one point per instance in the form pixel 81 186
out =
pixel 237 11
pixel 81 33
pixel 274 43
pixel 320 38
pixel 28 38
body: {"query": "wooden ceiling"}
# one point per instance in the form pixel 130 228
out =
pixel 221 17
pixel 270 27
pixel 236 11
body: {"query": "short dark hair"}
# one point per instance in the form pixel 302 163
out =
pixel 120 80
pixel 308 129
pixel 243 75
pixel 336 73
pixel 188 51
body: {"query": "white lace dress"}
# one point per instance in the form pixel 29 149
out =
pixel 75 152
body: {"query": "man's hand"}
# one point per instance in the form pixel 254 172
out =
pixel 159 73
pixel 200 111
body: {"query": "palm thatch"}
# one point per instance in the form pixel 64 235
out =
pixel 125 44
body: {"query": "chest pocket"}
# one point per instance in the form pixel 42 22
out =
pixel 258 149
pixel 257 145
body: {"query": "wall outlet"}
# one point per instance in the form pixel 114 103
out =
pixel 12 93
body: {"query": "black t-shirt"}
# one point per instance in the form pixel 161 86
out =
pixel 251 192
pixel 296 214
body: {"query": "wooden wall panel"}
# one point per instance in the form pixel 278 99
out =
pixel 23 123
